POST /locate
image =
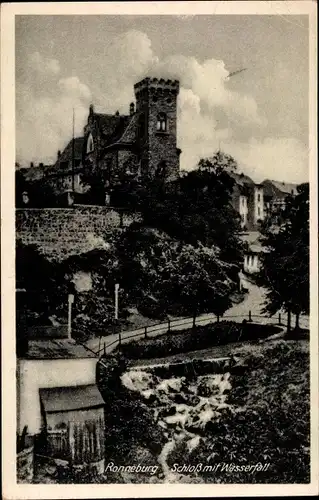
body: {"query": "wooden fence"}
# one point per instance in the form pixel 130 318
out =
pixel 176 324
pixel 79 443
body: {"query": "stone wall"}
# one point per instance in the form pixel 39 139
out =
pixel 60 232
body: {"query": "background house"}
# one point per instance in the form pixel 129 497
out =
pixel 251 263
pixel 66 173
pixel 248 200
pixel 275 193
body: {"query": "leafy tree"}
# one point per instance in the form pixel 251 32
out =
pixel 170 277
pixel 194 209
pixel 285 262
pixel 44 283
pixel 93 309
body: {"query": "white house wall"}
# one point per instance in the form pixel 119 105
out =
pixel 251 263
pixel 33 375
pixel 259 204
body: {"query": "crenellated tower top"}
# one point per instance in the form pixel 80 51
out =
pixel 156 84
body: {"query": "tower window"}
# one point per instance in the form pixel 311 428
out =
pixel 161 125
pixel 90 144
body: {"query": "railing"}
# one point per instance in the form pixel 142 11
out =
pixel 173 325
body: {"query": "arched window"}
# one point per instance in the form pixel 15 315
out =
pixel 161 125
pixel 90 144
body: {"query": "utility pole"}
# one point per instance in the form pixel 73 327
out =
pixel 73 151
pixel 116 294
pixel 70 302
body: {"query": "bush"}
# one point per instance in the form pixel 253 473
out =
pixel 195 339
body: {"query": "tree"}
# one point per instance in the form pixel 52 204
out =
pixel 194 209
pixel 285 262
pixel 44 283
pixel 166 276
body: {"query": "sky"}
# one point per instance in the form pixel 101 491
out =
pixel 259 116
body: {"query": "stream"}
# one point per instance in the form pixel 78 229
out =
pixel 182 409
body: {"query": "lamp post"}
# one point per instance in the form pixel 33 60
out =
pixel 70 302
pixel 116 307
pixel 116 296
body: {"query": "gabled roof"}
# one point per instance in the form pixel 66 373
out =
pixel 129 134
pixel 285 187
pixel 252 238
pixel 273 188
pixel 242 179
pixel 58 399
pixel 66 154
pixel 111 127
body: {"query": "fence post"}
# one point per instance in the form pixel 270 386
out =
pixel 169 325
pixel 120 339
pixel 279 319
pixel 217 318
pixel 104 351
pixel 145 332
pixel 249 317
pixel 194 320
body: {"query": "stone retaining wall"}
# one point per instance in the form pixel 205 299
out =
pixel 59 232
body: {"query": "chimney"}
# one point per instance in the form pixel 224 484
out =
pixel 31 164
pixel 91 109
pixel 117 113
pixel 132 108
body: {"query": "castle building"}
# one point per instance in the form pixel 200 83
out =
pixel 142 143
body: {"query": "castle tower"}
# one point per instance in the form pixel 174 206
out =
pixel 156 108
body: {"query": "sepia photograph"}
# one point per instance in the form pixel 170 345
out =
pixel 163 323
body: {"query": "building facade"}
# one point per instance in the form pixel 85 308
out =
pixel 254 202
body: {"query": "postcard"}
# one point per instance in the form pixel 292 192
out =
pixel 159 249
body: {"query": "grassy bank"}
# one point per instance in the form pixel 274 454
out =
pixel 193 339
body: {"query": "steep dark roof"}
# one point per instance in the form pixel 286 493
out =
pixel 129 134
pixel 242 179
pixel 111 126
pixel 67 152
pixel 252 238
pixel 283 187
pixel 71 398
pixel 271 190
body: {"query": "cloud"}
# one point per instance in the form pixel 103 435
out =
pixel 73 88
pixel 43 65
pixel 281 158
pixel 210 113
pixel 45 119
